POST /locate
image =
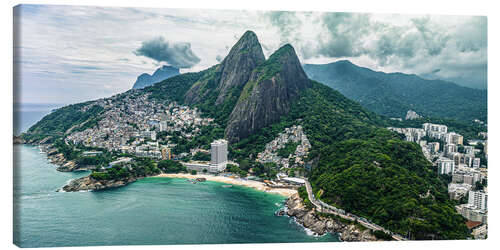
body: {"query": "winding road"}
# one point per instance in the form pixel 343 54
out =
pixel 325 208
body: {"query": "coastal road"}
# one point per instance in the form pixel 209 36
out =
pixel 325 208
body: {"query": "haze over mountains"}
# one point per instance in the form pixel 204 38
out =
pixel 159 75
pixel 393 94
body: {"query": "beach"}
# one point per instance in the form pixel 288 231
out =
pixel 235 181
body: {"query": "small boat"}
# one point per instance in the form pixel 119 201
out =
pixel 227 186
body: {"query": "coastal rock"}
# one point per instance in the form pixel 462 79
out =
pixel 67 167
pixel 321 225
pixel 18 140
pixel 90 184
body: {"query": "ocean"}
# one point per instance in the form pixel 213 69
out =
pixel 151 211
pixel 27 114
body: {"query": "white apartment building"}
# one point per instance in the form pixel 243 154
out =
pixel 218 153
pixel 479 199
pixel 445 166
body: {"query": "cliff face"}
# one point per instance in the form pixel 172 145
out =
pixel 231 74
pixel 267 95
pixel 145 80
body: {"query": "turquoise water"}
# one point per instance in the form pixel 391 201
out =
pixel 151 211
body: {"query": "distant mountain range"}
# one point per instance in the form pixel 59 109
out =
pixel 393 94
pixel 145 80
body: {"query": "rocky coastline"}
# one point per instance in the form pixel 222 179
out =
pixel 57 158
pixel 294 207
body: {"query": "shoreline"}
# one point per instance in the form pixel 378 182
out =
pixel 260 186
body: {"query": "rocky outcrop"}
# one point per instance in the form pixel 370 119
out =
pixel 268 94
pixel 90 184
pixel 18 140
pixel 321 225
pixel 64 164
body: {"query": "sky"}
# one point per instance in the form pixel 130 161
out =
pixel 69 54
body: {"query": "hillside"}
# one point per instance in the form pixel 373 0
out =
pixel 393 94
pixel 360 166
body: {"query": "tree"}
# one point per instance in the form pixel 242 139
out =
pixel 193 172
pixel 204 171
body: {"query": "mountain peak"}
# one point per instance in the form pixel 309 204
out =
pixel 160 74
pixel 268 94
pixel 248 43
pixel 236 68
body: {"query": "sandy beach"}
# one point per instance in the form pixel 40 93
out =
pixel 236 181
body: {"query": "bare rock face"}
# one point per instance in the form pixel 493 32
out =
pixel 231 74
pixel 267 95
pixel 238 65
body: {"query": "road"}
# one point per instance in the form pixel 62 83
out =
pixel 325 208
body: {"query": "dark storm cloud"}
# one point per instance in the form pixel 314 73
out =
pixel 178 55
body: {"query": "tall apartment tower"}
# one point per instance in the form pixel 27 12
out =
pixel 479 199
pixel 218 152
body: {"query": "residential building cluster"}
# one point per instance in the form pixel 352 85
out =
pixel 294 134
pixel 463 167
pixel 131 124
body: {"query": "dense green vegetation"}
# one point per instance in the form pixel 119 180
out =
pixel 305 198
pixel 382 235
pixel 289 149
pixel 140 167
pixel 174 88
pixel 62 119
pixel 366 169
pixel 395 93
pixel 199 156
pixel 169 166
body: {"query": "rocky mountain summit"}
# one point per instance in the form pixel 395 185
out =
pixel 162 73
pixel 268 94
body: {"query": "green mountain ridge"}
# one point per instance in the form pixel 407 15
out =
pixel 360 166
pixel 393 94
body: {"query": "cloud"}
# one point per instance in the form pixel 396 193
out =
pixel 456 45
pixel 219 58
pixel 178 55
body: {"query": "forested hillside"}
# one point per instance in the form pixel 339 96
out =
pixel 393 94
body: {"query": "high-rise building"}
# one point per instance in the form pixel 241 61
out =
pixel 479 199
pixel 445 166
pixel 454 138
pixel 450 148
pixel 218 152
pixel 165 153
pixel 428 127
